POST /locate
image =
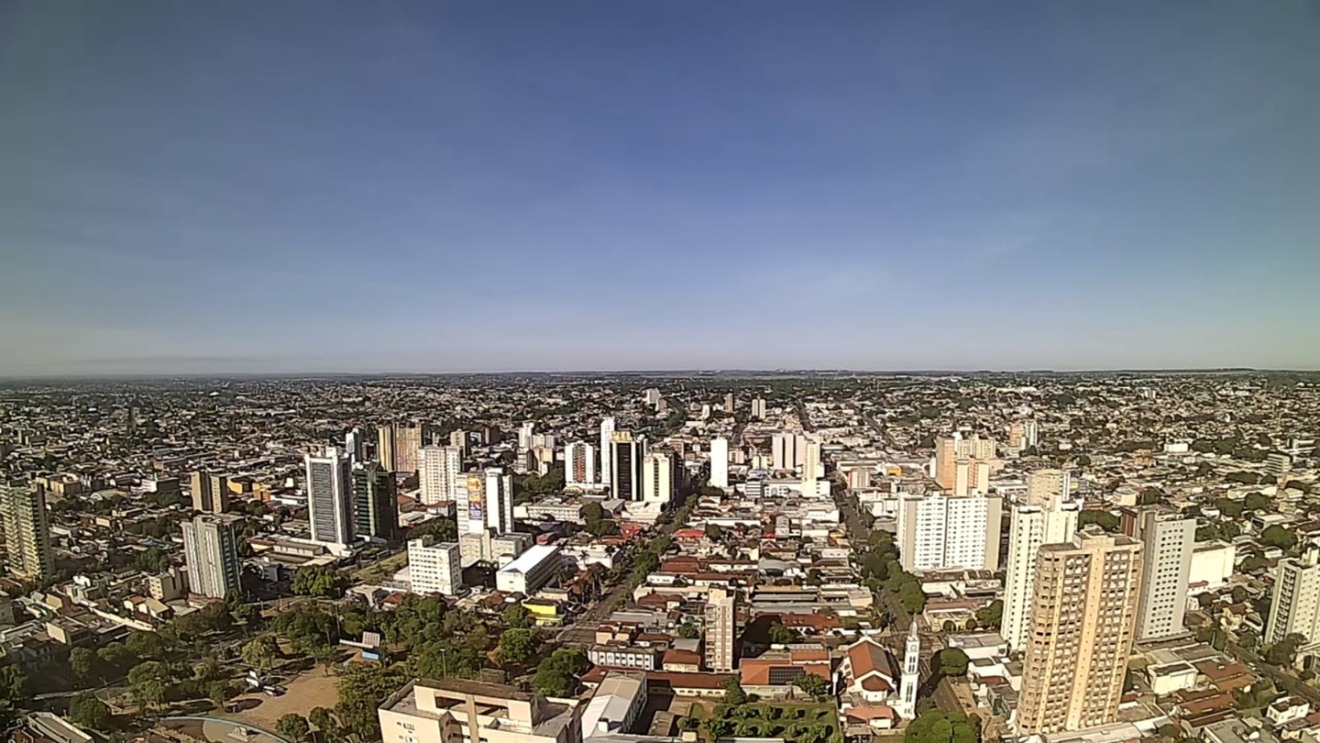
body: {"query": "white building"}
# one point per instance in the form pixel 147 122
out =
pixel 719 462
pixel 1048 486
pixel 435 568
pixel 210 549
pixel 657 478
pixel 1296 605
pixel 1212 566
pixel 1165 568
pixel 941 532
pixel 1031 527
pixel 330 497
pixel 721 630
pixel 606 437
pixel 438 471
pixel 579 465
pixel 499 500
pixel 787 450
pixel 530 570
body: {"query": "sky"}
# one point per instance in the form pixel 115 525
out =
pixel 495 186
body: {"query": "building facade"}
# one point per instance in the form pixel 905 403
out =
pixel 579 465
pixel 1296 605
pixel 210 492
pixel 329 497
pixel 462 711
pixel 210 550
pixel 1168 540
pixel 1032 526
pixel 435 568
pixel 658 477
pixel 941 532
pixel 438 471
pixel 375 502
pixel 719 462
pixel 26 530
pixel 606 451
pixel 721 630
pixel 626 464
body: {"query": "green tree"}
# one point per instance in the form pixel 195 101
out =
pixel 146 645
pixel 1277 536
pixel 116 659
pixel 362 689
pixel 688 631
pixel 933 726
pixel 912 598
pixel 813 685
pixel 556 676
pixel 714 532
pixel 991 616
pixel 1258 502
pixel 781 635
pixel 218 693
pixel 86 666
pixel 952 662
pixel 518 617
pixel 294 727
pixel 734 696
pixel 517 646
pixel 86 711
pixel 444 529
pixel 321 582
pixel 1230 508
pixel 605 528
pixel 324 720
pixel 261 652
pixel 1104 519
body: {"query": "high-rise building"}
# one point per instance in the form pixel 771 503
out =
pixel 470 503
pixel 330 497
pixel 579 464
pixel 911 678
pixel 1296 605
pixel 944 532
pixel 1053 522
pixel 626 462
pixel 210 550
pixel 398 444
pixel 758 408
pixel 353 444
pixel 499 500
pixel 785 449
pixel 525 432
pixel 962 465
pixel 606 450
pixel 375 502
pixel 719 462
pixel 1167 542
pixel 728 403
pixel 657 477
pixel 438 471
pixel 811 464
pixel 459 438
pixel 26 528
pixel 210 492
pixel 1048 486
pixel 435 568
pixel 721 630
pixel 1083 623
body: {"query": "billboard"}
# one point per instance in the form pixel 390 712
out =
pixel 476 503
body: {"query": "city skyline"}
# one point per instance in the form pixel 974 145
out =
pixel 469 188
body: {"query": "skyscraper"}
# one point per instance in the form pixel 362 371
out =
pixel 26 532
pixel 329 497
pixel 1053 522
pixel 459 438
pixel 719 462
pixel 784 451
pixel 811 464
pixel 398 445
pixel 435 568
pixel 375 502
pixel 499 500
pixel 606 450
pixel 657 477
pixel 438 471
pixel 210 549
pixel 353 445
pixel 1083 623
pixel 626 465
pixel 579 464
pixel 942 532
pixel 1296 605
pixel 210 492
pixel 1167 538
pixel 728 403
pixel 962 465
pixel 758 408
pixel 721 630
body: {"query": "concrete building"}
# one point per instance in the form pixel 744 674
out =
pixel 758 408
pixel 1168 540
pixel 1296 604
pixel 626 455
pixel 330 497
pixel 721 630
pixel 210 550
pixel 353 445
pixel 906 706
pixel 728 403
pixel 462 711
pixel 398 445
pixel 811 463
pixel 785 449
pixel 438 471
pixel 1054 522
pixel 1083 623
pixel 579 465
pixel 719 462
pixel 210 492
pixel 657 477
pixel 1212 565
pixel 962 465
pixel 26 529
pixel 941 532
pixel 459 439
pixel 530 570
pixel 435 567
pixel 607 451
pixel 499 500
pixel 1048 486
pixel 375 502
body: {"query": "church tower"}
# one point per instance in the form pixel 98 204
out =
pixel 907 701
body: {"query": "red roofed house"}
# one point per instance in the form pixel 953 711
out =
pixel 869 672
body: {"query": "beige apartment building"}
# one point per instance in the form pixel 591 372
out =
pixel 461 711
pixel 721 630
pixel 1083 622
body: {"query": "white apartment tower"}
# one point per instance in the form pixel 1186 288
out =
pixel 579 464
pixel 1048 486
pixel 1296 606
pixel 719 462
pixel 26 531
pixel 435 568
pixel 210 550
pixel 330 497
pixel 1054 522
pixel 1168 539
pixel 499 500
pixel 942 532
pixel 606 437
pixel 438 471
pixel 658 477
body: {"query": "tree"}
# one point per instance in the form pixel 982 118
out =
pixel 688 631
pixel 86 711
pixel 86 666
pixel 116 659
pixel 1230 508
pixel 362 689
pixel 556 676
pixel 781 635
pixel 319 581
pixel 1257 502
pixel 714 532
pixel 517 646
pixel 991 616
pixel 814 685
pixel 1248 638
pixel 518 617
pixel 444 529
pixel 933 726
pixel 1205 600
pixel 152 560
pixel 1149 496
pixel 1284 652
pixel 734 696
pixel 294 727
pixel 1104 519
pixel 218 693
pixel 953 662
pixel 261 652
pixel 1277 536
pixel 324 720
pixel 1239 594
pixel 592 511
pixel 146 645
pixel 912 598
pixel 605 528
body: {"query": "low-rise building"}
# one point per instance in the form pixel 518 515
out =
pixel 461 711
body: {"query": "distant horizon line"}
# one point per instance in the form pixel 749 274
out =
pixel 655 373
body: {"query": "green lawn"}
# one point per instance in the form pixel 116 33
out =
pixel 804 723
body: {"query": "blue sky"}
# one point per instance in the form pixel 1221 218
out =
pixel 317 186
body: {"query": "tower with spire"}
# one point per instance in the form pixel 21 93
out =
pixel 907 697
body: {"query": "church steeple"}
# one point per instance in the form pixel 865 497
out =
pixel 907 698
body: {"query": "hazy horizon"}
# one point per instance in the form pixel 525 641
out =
pixel 413 187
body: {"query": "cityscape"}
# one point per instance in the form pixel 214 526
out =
pixel 686 557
